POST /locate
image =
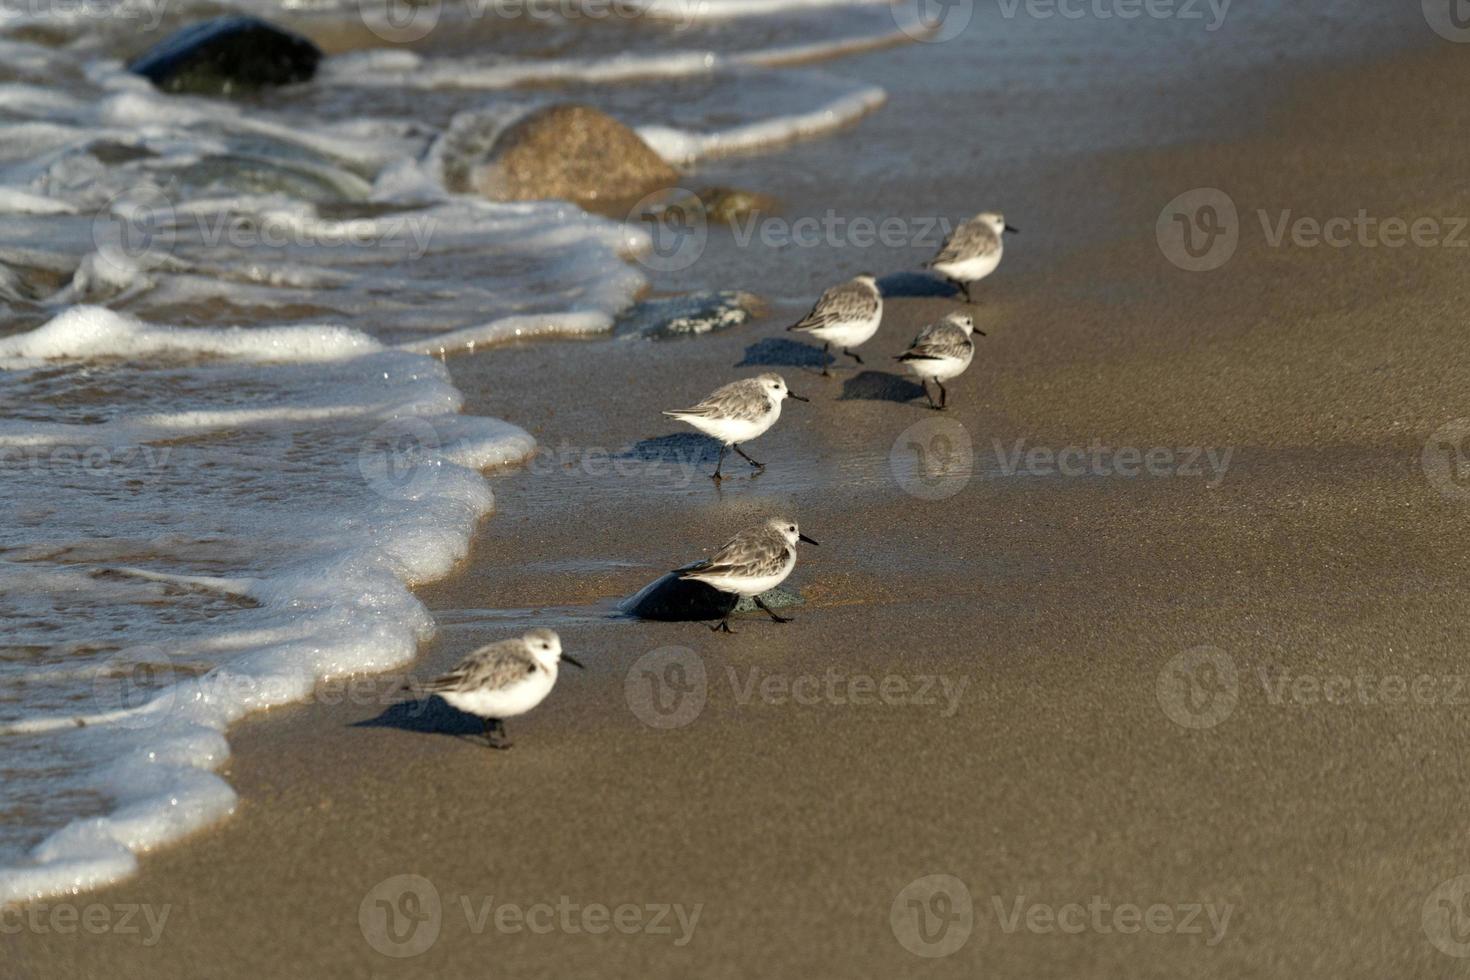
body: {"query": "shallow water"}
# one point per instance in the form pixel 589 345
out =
pixel 227 450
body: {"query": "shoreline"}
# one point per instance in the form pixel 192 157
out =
pixel 1323 550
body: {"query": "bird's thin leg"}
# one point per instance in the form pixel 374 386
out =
pixel 769 612
pixel 923 383
pixel 756 464
pixel 825 347
pixel 943 394
pixel 495 734
pixel 718 463
pixel 965 288
pixel 852 355
pixel 723 626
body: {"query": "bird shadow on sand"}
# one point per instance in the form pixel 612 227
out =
pixel 429 716
pixel 676 447
pixel 781 352
pixel 917 285
pixel 880 386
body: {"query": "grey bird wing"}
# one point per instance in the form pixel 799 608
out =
pixel 840 304
pixel 490 667
pixel 971 240
pixel 741 399
pixel 938 341
pixel 749 554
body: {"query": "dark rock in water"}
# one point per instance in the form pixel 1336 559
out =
pixel 225 55
pixel 732 206
pixel 675 599
pixel 688 316
pixel 570 152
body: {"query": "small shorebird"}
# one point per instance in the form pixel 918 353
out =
pixel 737 413
pixel 754 561
pixel 847 315
pixel 972 251
pixel 502 680
pixel 941 351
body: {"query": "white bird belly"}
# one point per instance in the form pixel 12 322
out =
pixel 505 702
pixel 748 586
pixel 849 334
pixel 731 431
pixel 942 368
pixel 969 270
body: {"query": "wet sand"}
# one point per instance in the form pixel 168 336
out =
pixel 1080 765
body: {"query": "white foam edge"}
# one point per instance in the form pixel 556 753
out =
pixel 371 68
pixel 683 147
pixel 164 787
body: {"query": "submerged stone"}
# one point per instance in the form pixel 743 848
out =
pixel 689 316
pixel 225 55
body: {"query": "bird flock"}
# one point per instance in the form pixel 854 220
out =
pixel 510 677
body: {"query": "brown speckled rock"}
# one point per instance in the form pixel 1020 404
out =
pixel 571 152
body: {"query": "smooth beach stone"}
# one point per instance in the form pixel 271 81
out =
pixel 225 55
pixel 689 316
pixel 674 599
pixel 569 152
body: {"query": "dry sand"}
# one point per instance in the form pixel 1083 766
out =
pixel 1057 602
